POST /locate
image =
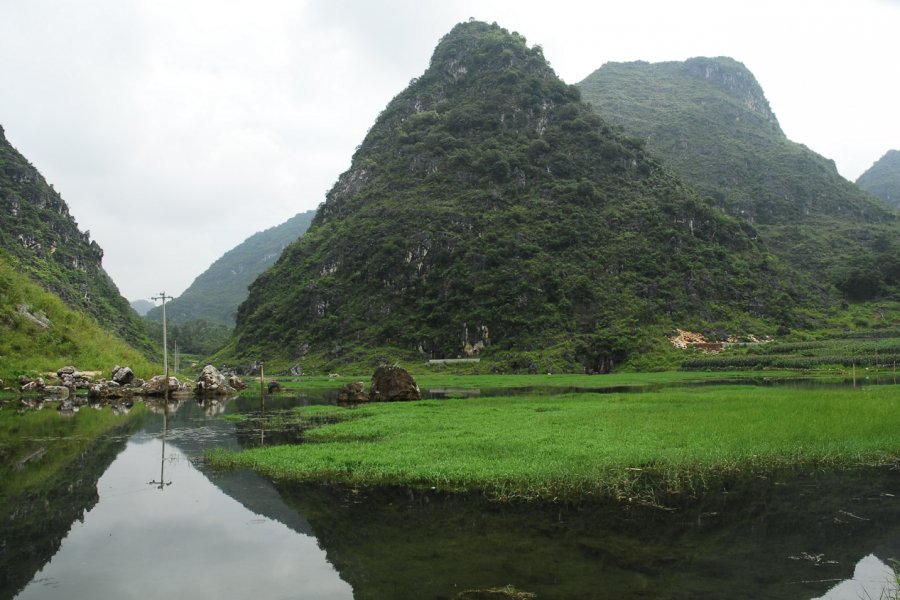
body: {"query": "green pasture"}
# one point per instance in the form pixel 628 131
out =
pixel 633 445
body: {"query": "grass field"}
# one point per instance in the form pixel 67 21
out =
pixel 619 445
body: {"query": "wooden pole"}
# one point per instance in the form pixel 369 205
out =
pixel 854 374
pixel 262 384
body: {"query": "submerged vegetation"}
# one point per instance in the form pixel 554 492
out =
pixel 618 445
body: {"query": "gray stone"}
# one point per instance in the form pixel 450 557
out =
pixel 393 384
pixel 211 382
pixel 123 375
pixel 70 370
pixel 353 392
pixel 55 390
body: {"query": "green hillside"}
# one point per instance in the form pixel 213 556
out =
pixel 38 231
pixel 883 178
pixel 489 206
pixel 38 332
pixel 710 121
pixel 216 294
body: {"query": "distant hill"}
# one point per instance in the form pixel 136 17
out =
pixel 883 178
pixel 488 209
pixel 216 294
pixel 142 306
pixel 43 240
pixel 709 119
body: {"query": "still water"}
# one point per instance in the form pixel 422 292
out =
pixel 103 505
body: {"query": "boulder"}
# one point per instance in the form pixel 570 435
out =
pixel 138 382
pixel 123 375
pixel 235 382
pixel 108 389
pixel 211 382
pixel 33 386
pixel 70 370
pixel 157 386
pixel 57 391
pixel 274 387
pixel 393 384
pixel 24 380
pixel 353 392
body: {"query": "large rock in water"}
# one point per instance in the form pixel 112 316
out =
pixel 123 375
pixel 211 382
pixel 393 384
pixel 237 383
pixel 157 386
pixel 355 391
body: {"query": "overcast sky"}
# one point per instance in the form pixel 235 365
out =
pixel 176 129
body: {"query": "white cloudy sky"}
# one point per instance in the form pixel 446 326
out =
pixel 176 128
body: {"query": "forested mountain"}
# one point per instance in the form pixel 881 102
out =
pixel 883 178
pixel 43 240
pixel 489 206
pixel 710 121
pixel 216 294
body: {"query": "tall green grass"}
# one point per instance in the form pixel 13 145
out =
pixel 611 445
pixel 74 339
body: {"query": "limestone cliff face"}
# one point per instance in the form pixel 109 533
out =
pixel 737 79
pixel 43 239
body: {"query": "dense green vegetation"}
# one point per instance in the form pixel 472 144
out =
pixel 608 445
pixel 883 178
pixel 710 121
pixel 73 338
pixel 216 294
pixel 489 205
pixel 43 240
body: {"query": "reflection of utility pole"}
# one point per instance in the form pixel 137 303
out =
pixel 162 296
pixel 176 358
pixel 162 463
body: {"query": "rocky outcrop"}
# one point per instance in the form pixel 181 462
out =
pixel 109 389
pixel 56 391
pixel 212 383
pixel 74 380
pixel 157 386
pixel 33 386
pixel 393 384
pixel 353 392
pixel 236 382
pixel 122 375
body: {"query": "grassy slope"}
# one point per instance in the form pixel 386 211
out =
pixel 723 139
pixel 74 339
pixel 883 178
pixel 44 241
pixel 216 293
pixel 587 443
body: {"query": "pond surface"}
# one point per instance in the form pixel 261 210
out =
pixel 103 505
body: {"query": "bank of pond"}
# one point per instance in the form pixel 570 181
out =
pixel 669 489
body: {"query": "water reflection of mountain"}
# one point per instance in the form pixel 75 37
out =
pixel 191 432
pixel 790 538
pixel 34 523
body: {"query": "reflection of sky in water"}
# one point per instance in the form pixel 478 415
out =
pixel 187 541
pixel 870 579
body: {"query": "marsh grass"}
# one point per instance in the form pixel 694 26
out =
pixel 614 445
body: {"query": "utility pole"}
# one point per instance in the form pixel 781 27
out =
pixel 162 296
